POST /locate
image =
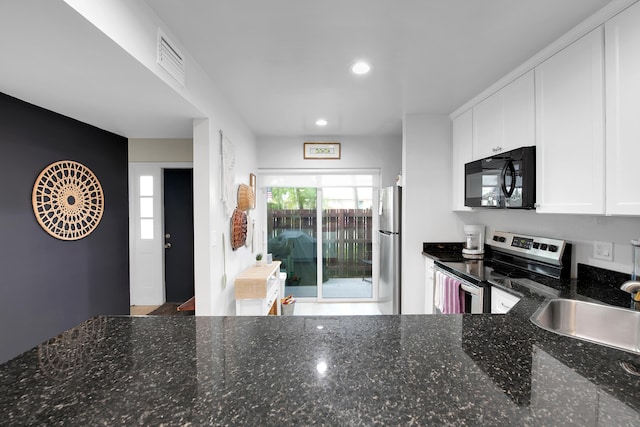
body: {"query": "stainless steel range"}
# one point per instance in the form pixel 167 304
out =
pixel 529 260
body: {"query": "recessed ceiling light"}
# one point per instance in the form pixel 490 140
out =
pixel 361 67
pixel 321 122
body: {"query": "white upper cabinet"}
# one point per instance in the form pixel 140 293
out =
pixel 462 153
pixel 622 35
pixel 505 120
pixel 570 149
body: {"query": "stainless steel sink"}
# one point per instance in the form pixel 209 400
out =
pixel 601 324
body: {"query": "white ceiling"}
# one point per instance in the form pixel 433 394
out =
pixel 284 63
pixel 281 63
pixel 54 58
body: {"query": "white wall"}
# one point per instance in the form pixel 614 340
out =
pixel 357 152
pixel 160 150
pixel 426 168
pixel 134 27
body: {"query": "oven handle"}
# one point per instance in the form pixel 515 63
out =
pixel 477 292
pixel 465 285
pixel 473 290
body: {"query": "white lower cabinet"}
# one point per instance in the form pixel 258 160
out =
pixel 429 285
pixel 501 301
pixel 570 129
pixel 622 35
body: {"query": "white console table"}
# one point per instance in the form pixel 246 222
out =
pixel 257 290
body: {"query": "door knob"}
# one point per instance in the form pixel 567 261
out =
pixel 167 245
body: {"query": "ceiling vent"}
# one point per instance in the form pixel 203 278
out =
pixel 170 58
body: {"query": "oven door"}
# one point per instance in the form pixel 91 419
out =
pixel 453 294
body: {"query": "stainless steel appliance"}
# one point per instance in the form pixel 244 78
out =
pixel 509 257
pixel 506 180
pixel 390 214
pixel 471 296
pixel 520 254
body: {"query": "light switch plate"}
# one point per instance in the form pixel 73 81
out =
pixel 603 250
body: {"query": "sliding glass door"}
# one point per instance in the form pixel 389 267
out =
pixel 347 252
pixel 323 237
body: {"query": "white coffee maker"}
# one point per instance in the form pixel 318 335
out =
pixel 473 247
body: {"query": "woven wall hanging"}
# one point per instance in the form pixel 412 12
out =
pixel 238 229
pixel 67 200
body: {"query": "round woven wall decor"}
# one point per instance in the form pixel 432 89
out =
pixel 67 200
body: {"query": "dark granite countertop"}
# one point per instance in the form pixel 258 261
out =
pixel 351 370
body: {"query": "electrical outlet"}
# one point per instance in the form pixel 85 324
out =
pixel 603 250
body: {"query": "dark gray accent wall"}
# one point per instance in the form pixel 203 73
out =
pixel 49 285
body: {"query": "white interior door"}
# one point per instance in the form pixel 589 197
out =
pixel 146 239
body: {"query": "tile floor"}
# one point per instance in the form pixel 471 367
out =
pixel 336 309
pixel 334 288
pixel 304 309
pixel 140 310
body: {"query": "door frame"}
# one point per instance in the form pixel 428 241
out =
pixel 281 179
pixel 146 257
pixel 375 247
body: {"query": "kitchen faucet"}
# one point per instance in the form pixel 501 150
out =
pixel 633 287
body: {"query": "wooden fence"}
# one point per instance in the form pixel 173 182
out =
pixel 346 234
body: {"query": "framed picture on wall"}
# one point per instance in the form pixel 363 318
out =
pixel 322 150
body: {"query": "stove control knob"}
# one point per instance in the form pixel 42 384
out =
pixel 553 248
pixel 496 238
pixel 536 245
pixel 502 239
pixel 544 246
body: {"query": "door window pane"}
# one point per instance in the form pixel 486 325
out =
pixel 347 224
pixel 291 228
pixel 146 185
pixel 146 207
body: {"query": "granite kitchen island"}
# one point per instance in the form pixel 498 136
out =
pixel 367 370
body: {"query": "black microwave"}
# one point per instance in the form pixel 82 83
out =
pixel 505 180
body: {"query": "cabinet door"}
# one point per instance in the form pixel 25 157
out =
pixel 487 127
pixel 462 140
pixel 429 285
pixel 622 35
pixel 519 113
pixel 505 120
pixel 569 129
pixel 501 301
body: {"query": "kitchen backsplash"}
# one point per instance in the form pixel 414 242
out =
pixel 600 280
pixel 579 230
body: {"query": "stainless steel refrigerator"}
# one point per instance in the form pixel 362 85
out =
pixel 390 212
